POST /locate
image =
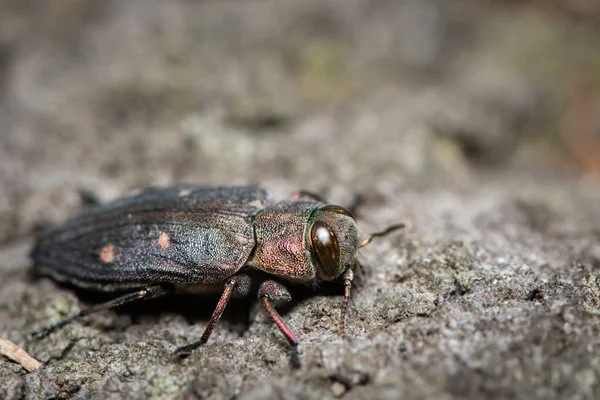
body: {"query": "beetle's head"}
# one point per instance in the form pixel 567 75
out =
pixel 307 242
pixel 331 239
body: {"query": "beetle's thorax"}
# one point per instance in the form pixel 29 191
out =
pixel 283 241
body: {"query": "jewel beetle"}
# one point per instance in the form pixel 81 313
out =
pixel 194 239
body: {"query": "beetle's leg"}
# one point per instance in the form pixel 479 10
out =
pixel 357 199
pixel 274 294
pixel 307 194
pixel 149 292
pixel 237 285
pixel 89 198
pixel 355 203
pixel 348 278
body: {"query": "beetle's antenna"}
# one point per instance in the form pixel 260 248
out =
pixel 384 232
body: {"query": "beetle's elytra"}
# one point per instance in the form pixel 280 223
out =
pixel 198 239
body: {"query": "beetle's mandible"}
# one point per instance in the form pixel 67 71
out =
pixel 198 239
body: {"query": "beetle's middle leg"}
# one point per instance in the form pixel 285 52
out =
pixel 273 294
pixel 306 194
pixel 238 285
pixel 355 203
pixel 148 292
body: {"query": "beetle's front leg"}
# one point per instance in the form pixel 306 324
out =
pixel 273 294
pixel 348 279
pixel 238 286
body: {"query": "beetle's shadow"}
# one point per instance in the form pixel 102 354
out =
pixel 200 307
pixel 194 308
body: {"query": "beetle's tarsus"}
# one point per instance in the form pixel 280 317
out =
pixel 47 330
pixel 42 333
pixel 273 292
pixel 295 357
pixel 186 350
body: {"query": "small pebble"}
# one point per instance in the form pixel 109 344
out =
pixel 338 389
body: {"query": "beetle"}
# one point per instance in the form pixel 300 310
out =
pixel 194 239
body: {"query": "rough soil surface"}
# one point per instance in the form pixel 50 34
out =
pixel 473 124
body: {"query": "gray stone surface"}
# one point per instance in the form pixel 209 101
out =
pixel 438 115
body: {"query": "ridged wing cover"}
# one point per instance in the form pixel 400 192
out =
pixel 183 234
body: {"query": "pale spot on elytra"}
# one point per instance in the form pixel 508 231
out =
pixel 164 240
pixel 184 192
pixel 108 253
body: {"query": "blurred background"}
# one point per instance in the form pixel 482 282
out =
pixel 364 95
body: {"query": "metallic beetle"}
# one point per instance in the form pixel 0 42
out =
pixel 202 239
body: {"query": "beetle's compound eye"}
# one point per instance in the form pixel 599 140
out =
pixel 325 249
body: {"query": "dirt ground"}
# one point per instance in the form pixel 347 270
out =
pixel 475 122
